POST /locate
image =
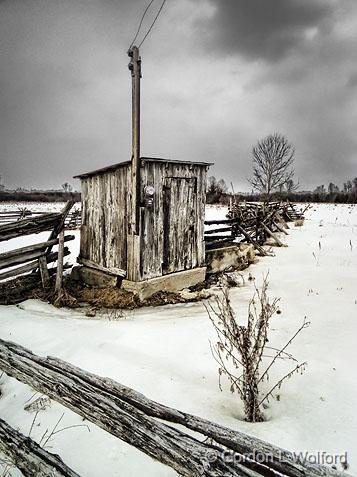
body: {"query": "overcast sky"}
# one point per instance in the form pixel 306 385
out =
pixel 217 76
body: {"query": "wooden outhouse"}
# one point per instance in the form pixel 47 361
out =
pixel 169 235
pixel 144 219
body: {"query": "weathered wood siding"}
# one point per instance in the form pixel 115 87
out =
pixel 104 218
pixel 171 235
pixel 172 232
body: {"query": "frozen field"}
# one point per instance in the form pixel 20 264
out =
pixel 165 354
pixel 35 206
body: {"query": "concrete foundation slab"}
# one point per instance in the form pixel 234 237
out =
pixel 94 278
pixel 172 282
pixel 235 257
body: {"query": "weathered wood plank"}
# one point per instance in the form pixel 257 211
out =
pixel 59 274
pixel 111 270
pixel 32 225
pixel 45 276
pixel 23 258
pixel 211 238
pixel 220 221
pixel 31 248
pixel 59 226
pixel 104 219
pixel 29 457
pixel 129 411
pixel 251 240
pixel 182 452
pixel 273 236
pixel 280 228
pixel 213 231
pixel 52 257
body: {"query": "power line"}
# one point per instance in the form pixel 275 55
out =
pixel 141 22
pixel 153 23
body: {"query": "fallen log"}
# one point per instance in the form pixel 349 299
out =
pixel 278 459
pixel 184 453
pixel 29 457
pixel 115 399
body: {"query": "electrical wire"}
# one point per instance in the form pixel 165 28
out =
pixel 141 22
pixel 153 23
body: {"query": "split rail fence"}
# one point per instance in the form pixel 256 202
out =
pixel 31 262
pixel 251 222
pixel 150 426
pixel 73 219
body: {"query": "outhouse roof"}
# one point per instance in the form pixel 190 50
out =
pixel 114 167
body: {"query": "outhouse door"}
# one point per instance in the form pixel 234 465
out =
pixel 179 224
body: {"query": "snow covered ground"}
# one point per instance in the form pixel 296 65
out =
pixel 35 206
pixel 165 354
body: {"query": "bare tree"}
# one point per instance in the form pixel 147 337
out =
pixel 67 187
pixel 273 158
pixel 291 186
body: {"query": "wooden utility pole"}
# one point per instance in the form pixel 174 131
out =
pixel 135 68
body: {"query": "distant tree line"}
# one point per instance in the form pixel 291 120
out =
pixel 39 196
pixel 332 193
pixel 34 195
pixel 217 193
pixel 273 178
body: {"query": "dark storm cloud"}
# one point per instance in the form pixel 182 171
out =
pixel 352 80
pixel 266 29
pixel 65 86
pixel 59 110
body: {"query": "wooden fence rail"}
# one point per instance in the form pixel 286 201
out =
pixel 33 257
pixel 73 220
pixel 31 225
pixel 137 420
pixel 251 222
pixel 27 456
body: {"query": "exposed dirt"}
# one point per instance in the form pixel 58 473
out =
pixel 118 298
pixel 101 297
pixel 74 294
pixel 20 289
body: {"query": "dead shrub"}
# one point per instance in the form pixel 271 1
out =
pixel 240 350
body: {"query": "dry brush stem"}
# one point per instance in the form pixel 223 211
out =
pixel 240 350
